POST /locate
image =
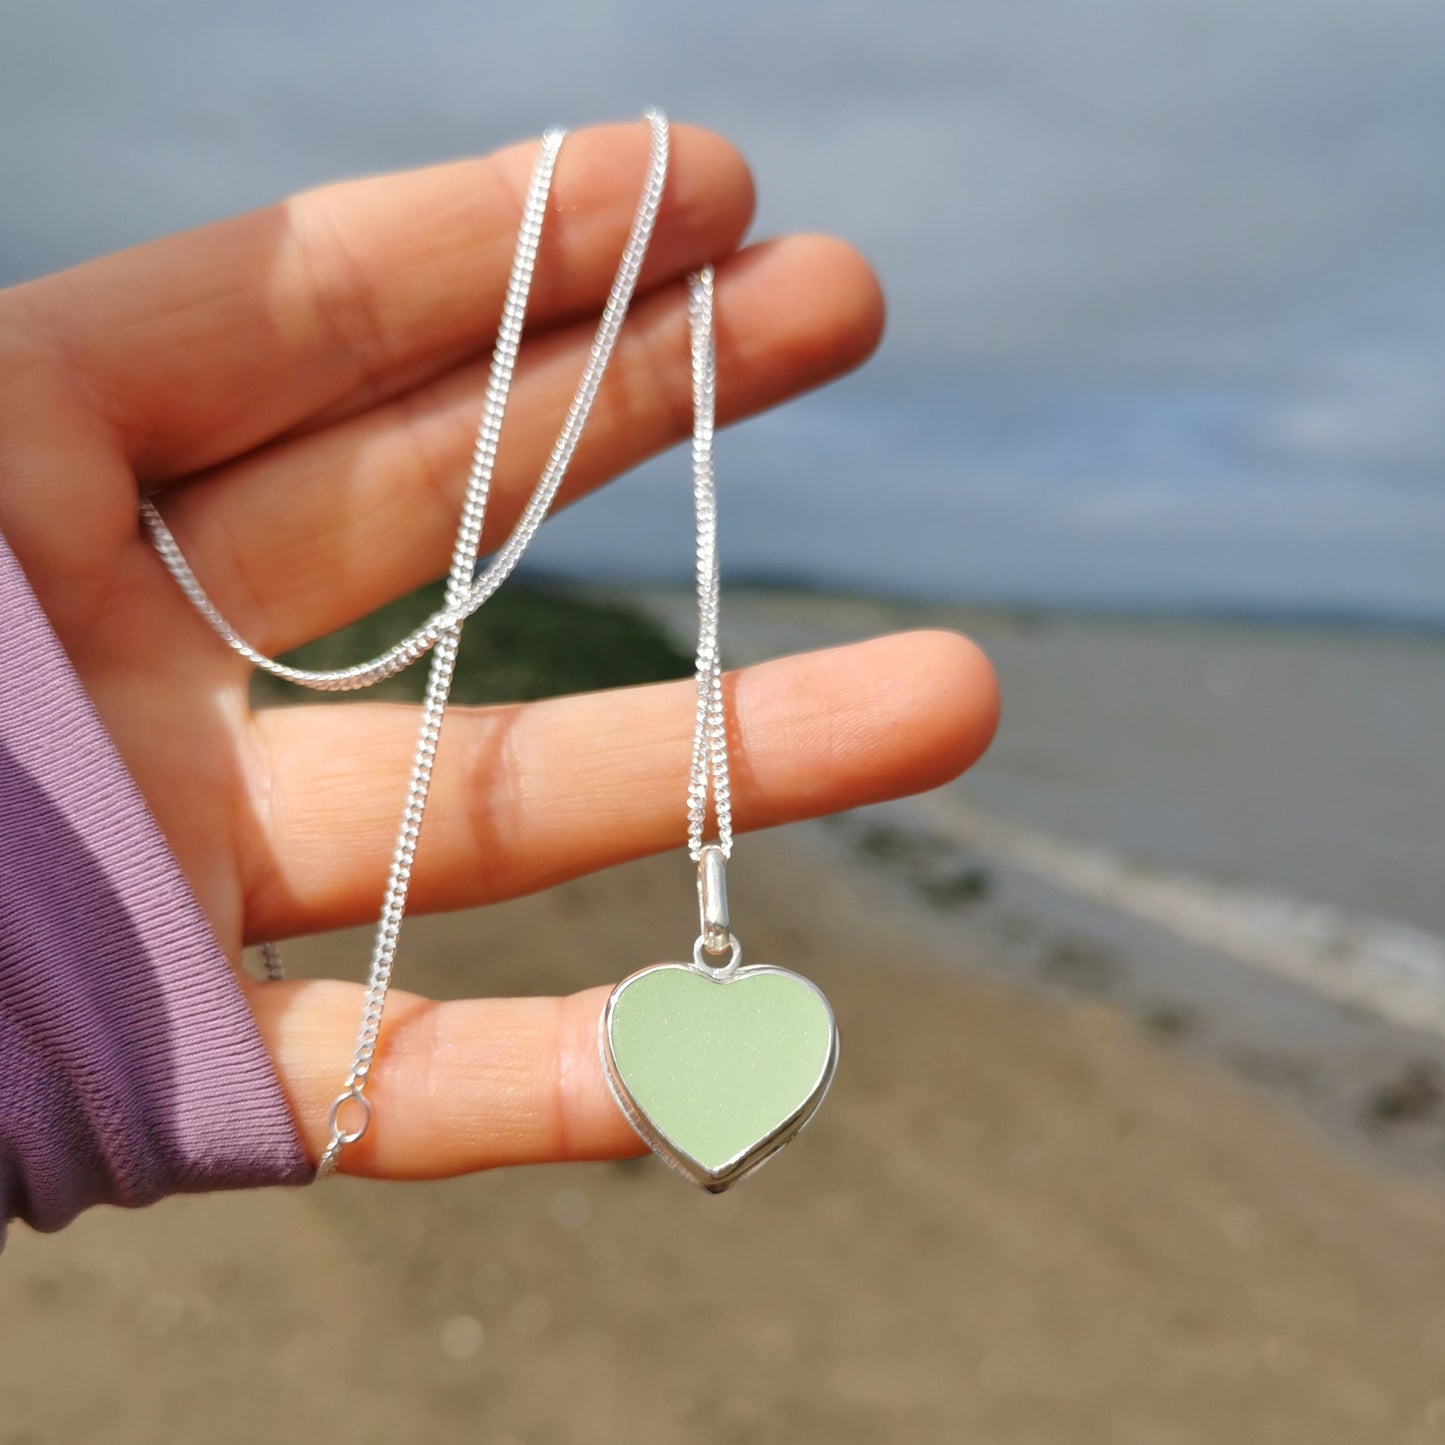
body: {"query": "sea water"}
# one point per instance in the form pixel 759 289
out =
pixel 1269 792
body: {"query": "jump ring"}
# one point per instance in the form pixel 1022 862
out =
pixel 717 970
pixel 343 1136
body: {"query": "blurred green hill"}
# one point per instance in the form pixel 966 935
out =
pixel 533 639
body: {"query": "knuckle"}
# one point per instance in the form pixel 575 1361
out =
pixel 493 783
pixel 343 296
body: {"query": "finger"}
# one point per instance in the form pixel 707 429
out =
pixel 456 1086
pixel 56 462
pixel 302 538
pixel 523 797
pixel 200 346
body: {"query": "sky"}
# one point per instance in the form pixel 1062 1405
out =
pixel 1166 279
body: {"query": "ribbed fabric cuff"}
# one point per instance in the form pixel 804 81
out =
pixel 130 1067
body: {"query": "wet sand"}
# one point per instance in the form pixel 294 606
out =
pixel 1018 1218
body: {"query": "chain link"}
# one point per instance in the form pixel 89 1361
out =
pixel 710 737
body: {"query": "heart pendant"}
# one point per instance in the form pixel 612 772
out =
pixel 717 1069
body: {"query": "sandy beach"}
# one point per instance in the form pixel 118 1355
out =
pixel 1019 1218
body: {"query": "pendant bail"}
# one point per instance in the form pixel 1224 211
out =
pixel 712 899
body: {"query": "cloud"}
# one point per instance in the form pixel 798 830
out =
pixel 1151 267
pixel 1375 397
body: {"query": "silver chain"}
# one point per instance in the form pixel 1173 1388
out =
pixel 459 582
pixel 467 590
pixel 464 599
pixel 710 737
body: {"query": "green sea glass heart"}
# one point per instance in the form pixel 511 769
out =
pixel 717 1072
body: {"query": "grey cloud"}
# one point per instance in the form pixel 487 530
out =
pixel 1153 267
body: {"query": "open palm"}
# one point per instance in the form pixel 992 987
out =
pixel 299 387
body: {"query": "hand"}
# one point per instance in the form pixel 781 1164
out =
pixel 300 386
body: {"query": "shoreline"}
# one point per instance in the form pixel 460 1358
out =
pixel 1373 1085
pixel 1336 1014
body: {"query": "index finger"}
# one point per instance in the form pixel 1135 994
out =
pixel 198 347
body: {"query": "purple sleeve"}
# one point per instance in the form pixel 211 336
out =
pixel 130 1067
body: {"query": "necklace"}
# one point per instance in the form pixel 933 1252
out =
pixel 716 1066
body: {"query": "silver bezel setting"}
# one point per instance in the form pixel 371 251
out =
pixel 752 1158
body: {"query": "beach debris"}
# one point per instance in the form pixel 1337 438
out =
pixel 902 846
pixel 1170 1020
pixel 937 869
pixel 1414 1094
pixel 971 883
